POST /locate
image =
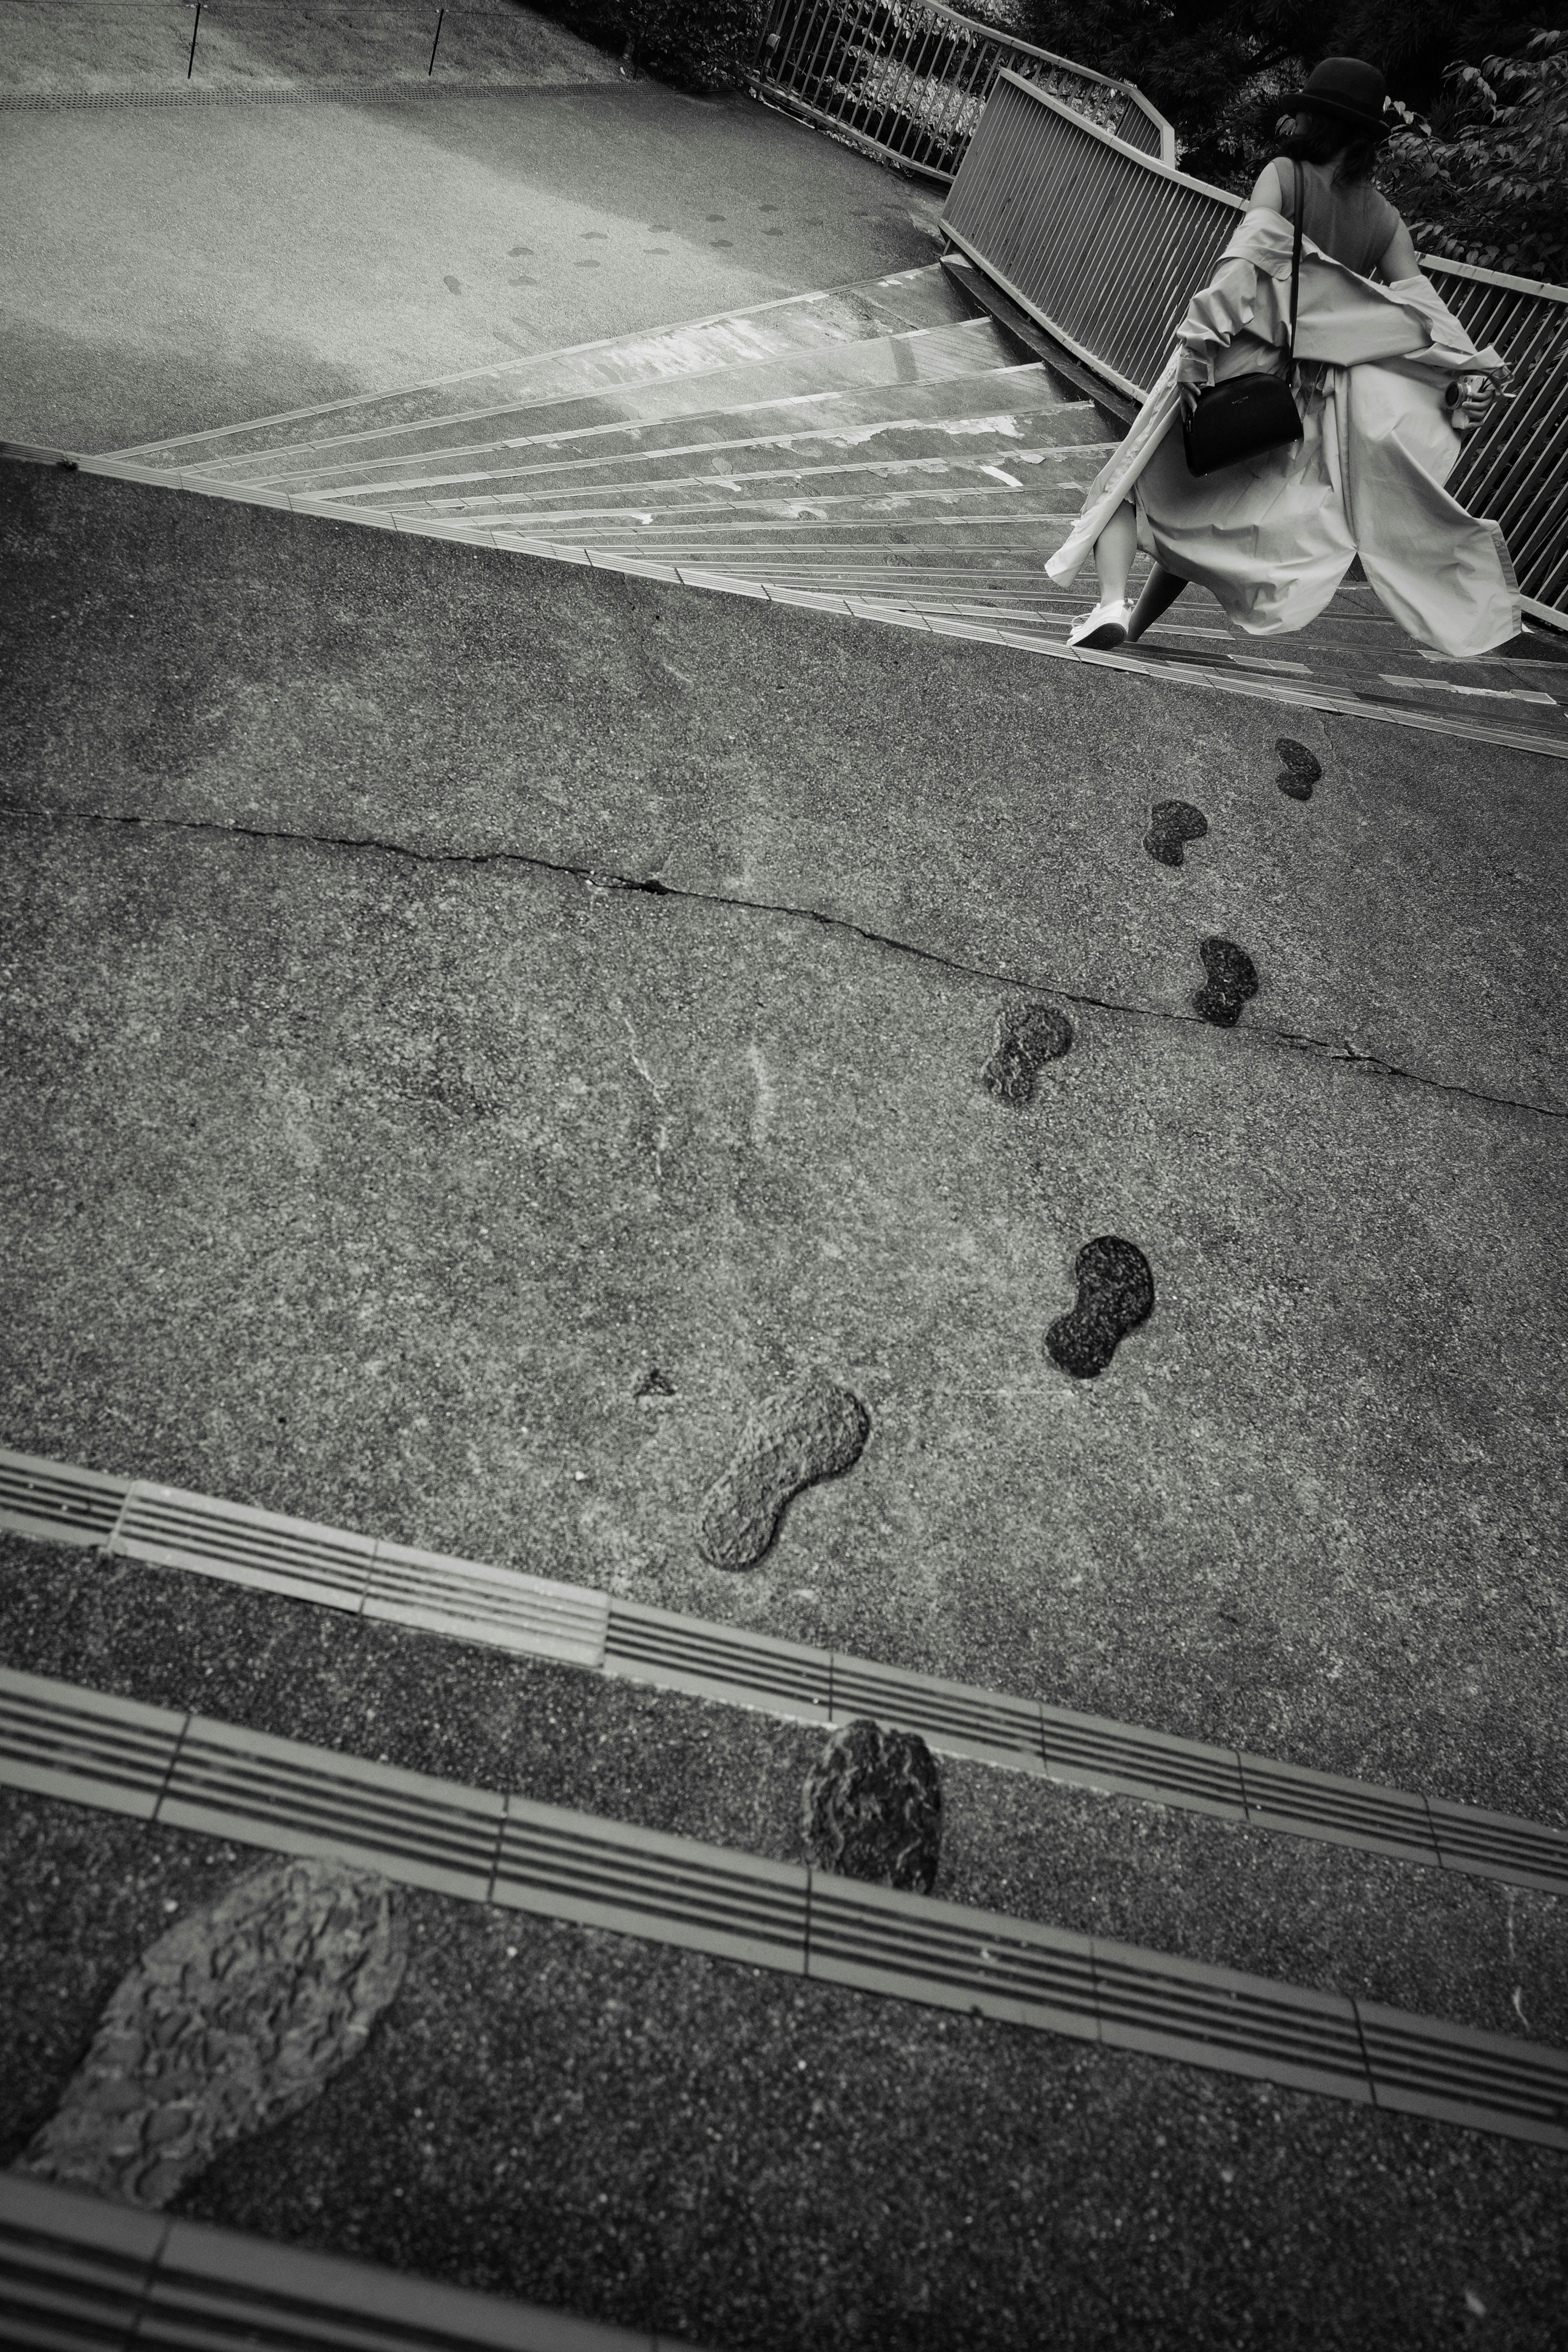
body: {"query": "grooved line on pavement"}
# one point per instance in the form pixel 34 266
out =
pixel 185 1771
pixel 1272 688
pixel 650 886
pixel 505 1609
pixel 304 93
pixel 80 2270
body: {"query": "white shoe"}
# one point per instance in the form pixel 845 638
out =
pixel 1106 627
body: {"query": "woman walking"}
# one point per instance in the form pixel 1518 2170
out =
pixel 1377 363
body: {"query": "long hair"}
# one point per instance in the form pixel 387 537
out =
pixel 1321 139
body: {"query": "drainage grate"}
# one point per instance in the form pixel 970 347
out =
pixel 52 1500
pixel 505 1609
pixel 79 2273
pixel 286 1797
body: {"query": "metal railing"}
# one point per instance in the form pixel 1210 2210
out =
pixel 1105 246
pixel 907 79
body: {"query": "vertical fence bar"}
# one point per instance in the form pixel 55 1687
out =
pixel 935 69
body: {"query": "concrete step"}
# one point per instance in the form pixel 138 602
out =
pixel 505 406
pixel 668 425
pixel 994 437
pixel 1051 476
pixel 906 537
pixel 928 296
pixel 775 330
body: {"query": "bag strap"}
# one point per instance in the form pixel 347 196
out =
pixel 1295 261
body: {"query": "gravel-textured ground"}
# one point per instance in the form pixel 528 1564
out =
pixel 1436 1942
pixel 647 2136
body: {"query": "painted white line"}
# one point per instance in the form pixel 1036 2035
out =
pixel 1451 686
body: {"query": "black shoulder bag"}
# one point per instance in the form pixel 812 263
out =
pixel 1231 421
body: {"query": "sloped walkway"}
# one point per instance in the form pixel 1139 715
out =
pixel 877 450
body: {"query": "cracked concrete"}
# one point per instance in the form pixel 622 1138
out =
pixel 338 1191
pixel 245 666
pixel 599 878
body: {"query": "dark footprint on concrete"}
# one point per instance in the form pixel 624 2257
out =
pixel 811 1429
pixel 1300 771
pixel 1171 824
pixel 1027 1037
pixel 1232 979
pixel 1115 1292
pixel 872 1808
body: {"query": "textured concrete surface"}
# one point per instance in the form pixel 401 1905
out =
pixel 400 243
pixel 648 2136
pixel 143 45
pixel 1330 1917
pixel 188 658
pixel 370 1185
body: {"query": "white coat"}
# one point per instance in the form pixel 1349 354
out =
pixel 1273 537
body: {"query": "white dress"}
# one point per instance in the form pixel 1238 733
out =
pixel 1273 537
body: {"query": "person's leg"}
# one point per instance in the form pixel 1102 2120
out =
pixel 1114 549
pixel 1161 590
pixel 1113 552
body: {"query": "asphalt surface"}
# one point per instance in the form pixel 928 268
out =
pixel 647 2136
pixel 171 269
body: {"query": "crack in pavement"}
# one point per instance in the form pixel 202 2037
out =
pixel 650 886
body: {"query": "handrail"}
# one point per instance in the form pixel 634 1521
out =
pixel 907 79
pixel 1104 244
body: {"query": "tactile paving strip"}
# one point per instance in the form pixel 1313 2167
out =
pixel 505 1609
pixel 510 1851
pixel 79 2273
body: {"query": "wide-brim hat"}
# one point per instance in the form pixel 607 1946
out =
pixel 1347 90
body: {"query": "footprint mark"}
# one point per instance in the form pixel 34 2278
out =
pixel 1171 824
pixel 1300 770
pixel 515 250
pixel 1232 979
pixel 1028 1036
pixel 233 2020
pixel 811 1429
pixel 1115 1292
pixel 871 1808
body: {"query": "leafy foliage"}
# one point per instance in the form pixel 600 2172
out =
pixel 1488 181
pixel 696 44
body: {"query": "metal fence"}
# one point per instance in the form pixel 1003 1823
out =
pixel 908 79
pixel 1105 246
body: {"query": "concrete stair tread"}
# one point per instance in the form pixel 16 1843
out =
pixel 713 372
pixel 927 296
pixel 1028 475
pixel 564 441
pixel 991 437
